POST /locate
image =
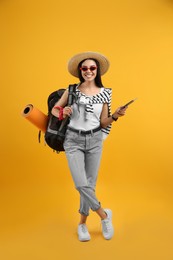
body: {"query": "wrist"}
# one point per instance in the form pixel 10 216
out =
pixel 60 109
pixel 114 117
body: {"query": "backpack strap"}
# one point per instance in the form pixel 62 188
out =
pixel 39 136
pixel 71 94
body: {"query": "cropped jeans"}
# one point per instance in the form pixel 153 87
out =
pixel 83 153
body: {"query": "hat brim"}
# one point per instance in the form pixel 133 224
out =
pixel 75 60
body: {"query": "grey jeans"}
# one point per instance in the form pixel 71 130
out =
pixel 83 153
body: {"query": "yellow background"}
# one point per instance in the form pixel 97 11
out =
pixel 39 204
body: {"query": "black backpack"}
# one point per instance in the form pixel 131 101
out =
pixel 56 129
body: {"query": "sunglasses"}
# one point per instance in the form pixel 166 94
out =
pixel 91 68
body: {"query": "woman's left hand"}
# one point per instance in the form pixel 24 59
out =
pixel 120 111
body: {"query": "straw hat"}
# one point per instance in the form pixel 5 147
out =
pixel 75 60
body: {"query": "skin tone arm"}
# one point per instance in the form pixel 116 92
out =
pixel 62 102
pixel 105 120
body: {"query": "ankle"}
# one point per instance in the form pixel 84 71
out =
pixel 82 222
pixel 104 216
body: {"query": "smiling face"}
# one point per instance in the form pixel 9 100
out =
pixel 89 70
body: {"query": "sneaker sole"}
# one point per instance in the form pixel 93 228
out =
pixel 84 240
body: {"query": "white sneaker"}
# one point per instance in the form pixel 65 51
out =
pixel 107 227
pixel 83 233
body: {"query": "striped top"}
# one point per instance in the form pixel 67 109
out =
pixel 103 97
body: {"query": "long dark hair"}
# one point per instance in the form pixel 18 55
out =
pixel 98 79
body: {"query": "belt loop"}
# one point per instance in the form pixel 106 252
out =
pixel 79 132
pixel 91 132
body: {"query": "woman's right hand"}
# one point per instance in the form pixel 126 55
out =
pixel 67 111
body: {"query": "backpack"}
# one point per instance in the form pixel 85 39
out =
pixel 56 129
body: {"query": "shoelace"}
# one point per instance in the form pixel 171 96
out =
pixel 84 229
pixel 106 226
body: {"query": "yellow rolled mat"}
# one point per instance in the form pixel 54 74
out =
pixel 36 117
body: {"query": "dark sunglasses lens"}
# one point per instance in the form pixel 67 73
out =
pixel 92 68
pixel 84 68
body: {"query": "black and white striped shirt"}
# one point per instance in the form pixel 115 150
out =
pixel 100 98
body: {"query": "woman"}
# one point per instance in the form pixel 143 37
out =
pixel 90 123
